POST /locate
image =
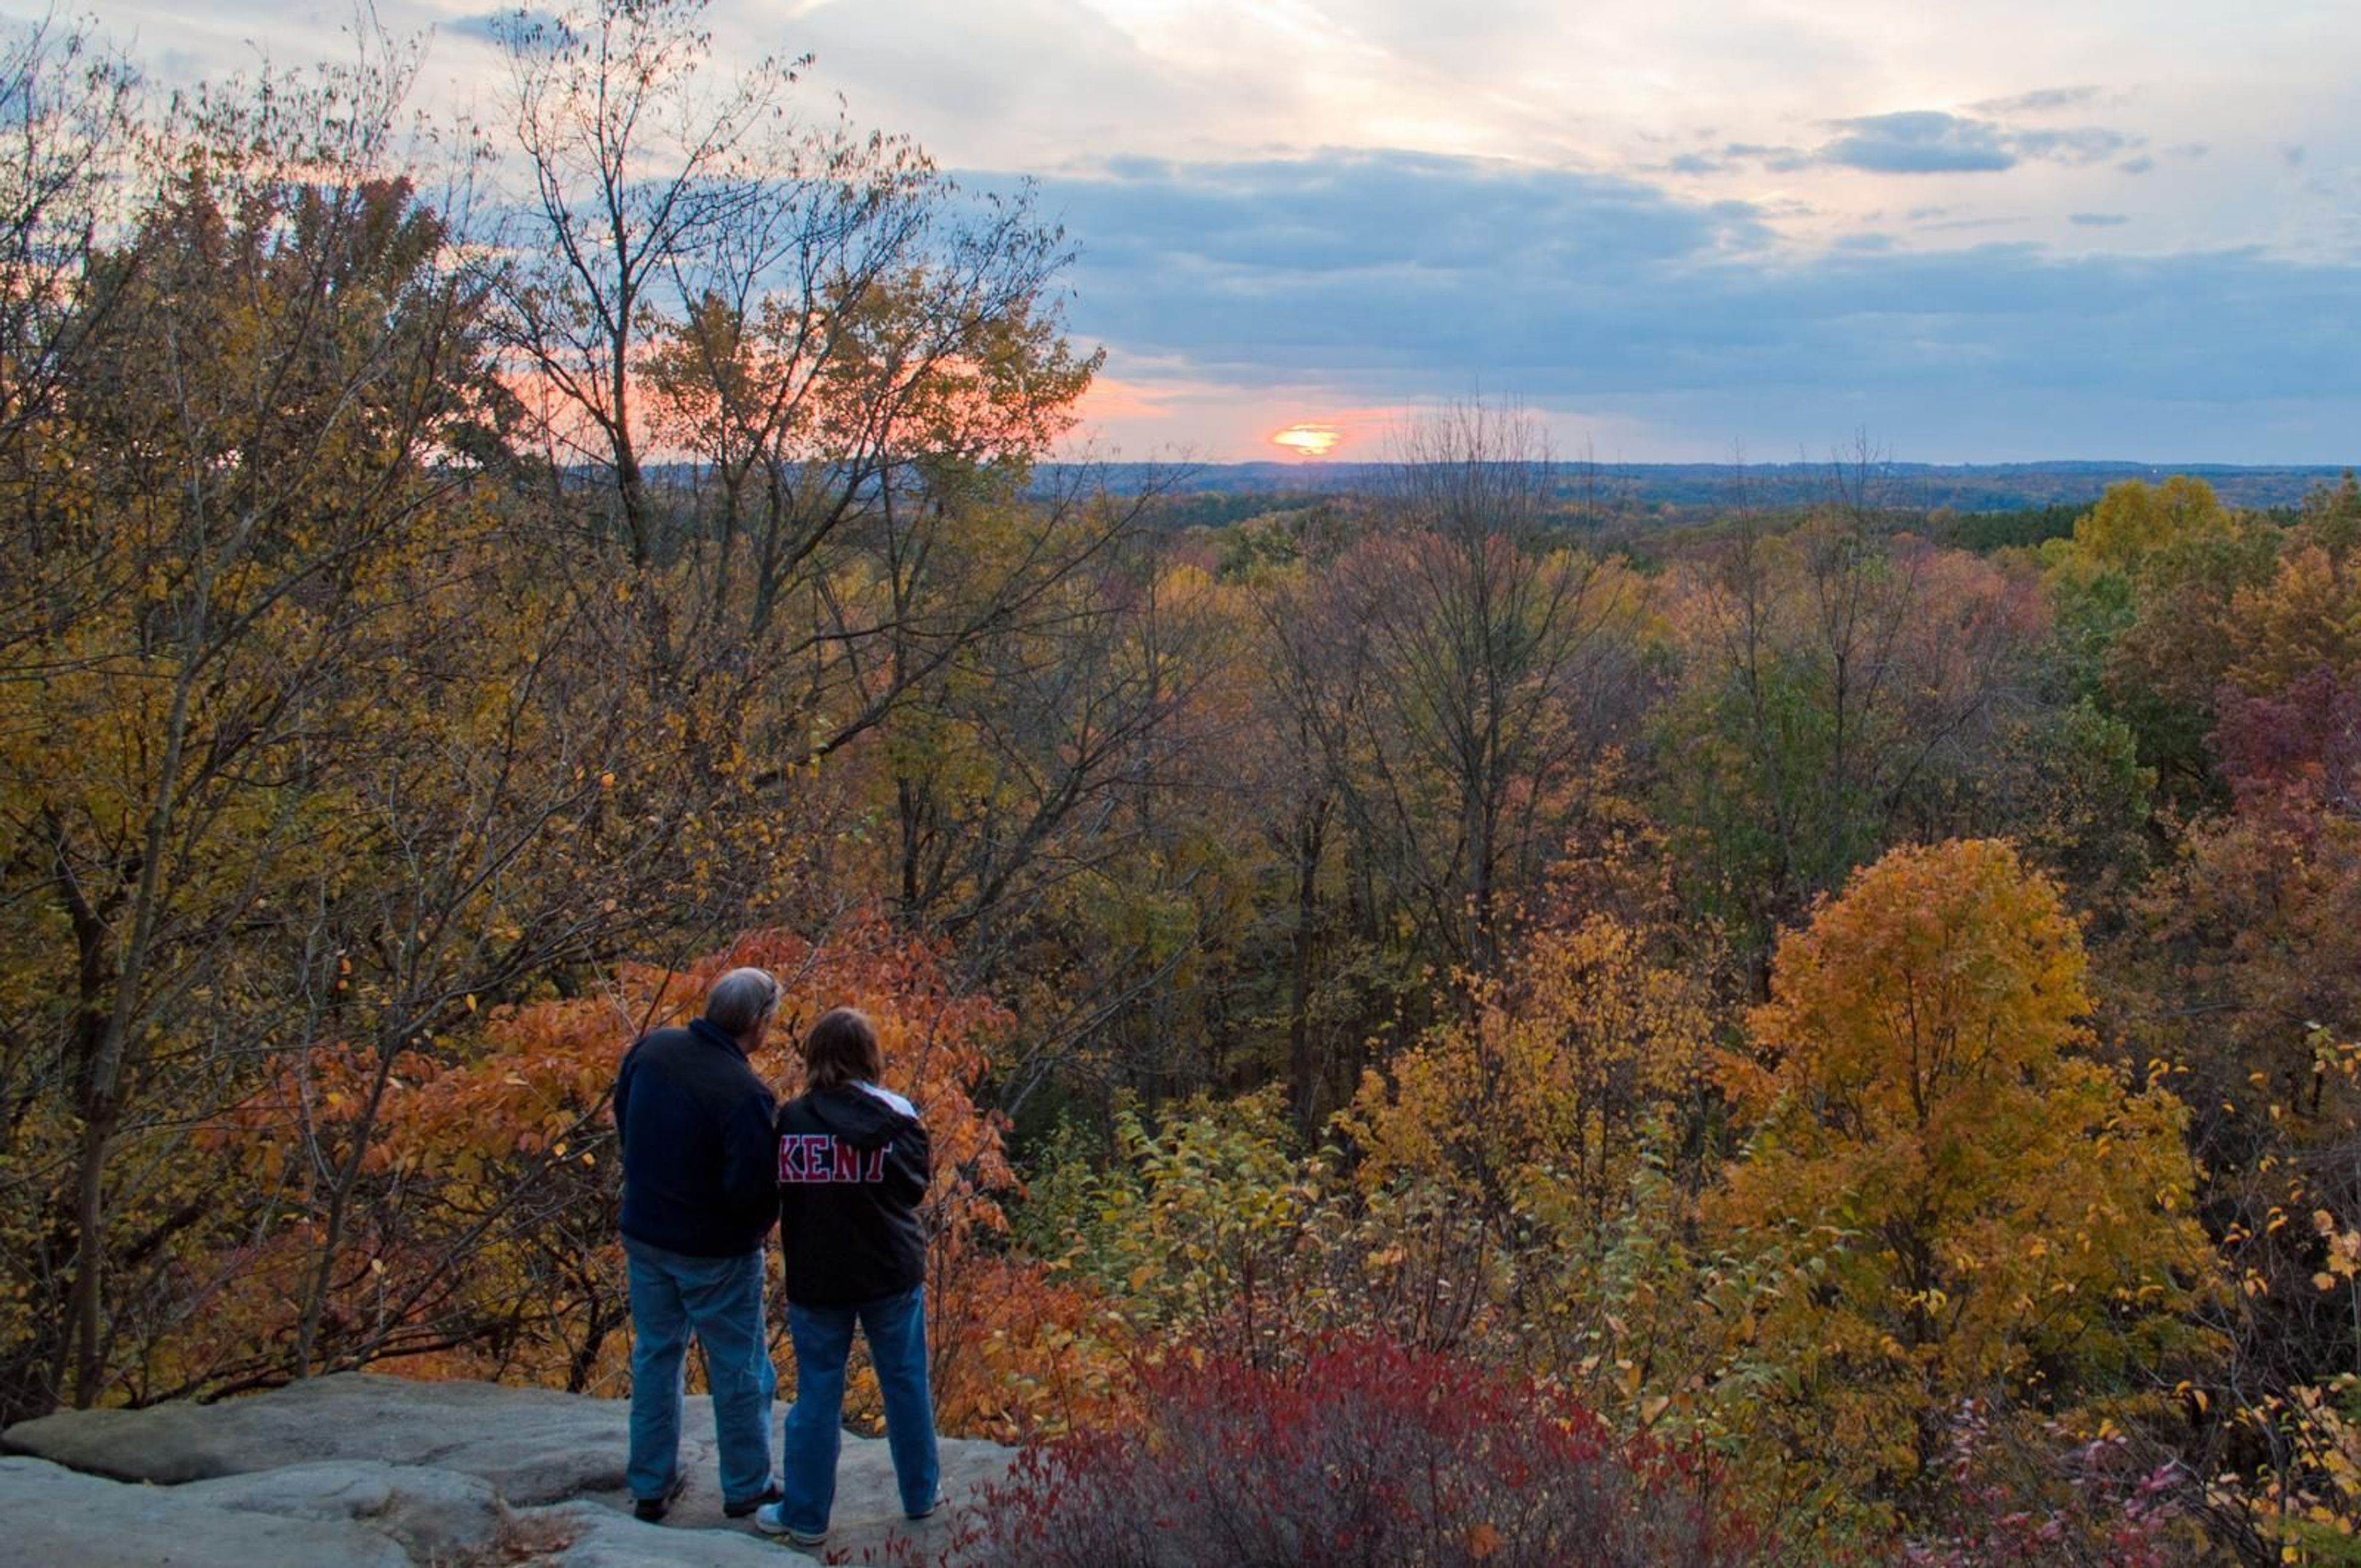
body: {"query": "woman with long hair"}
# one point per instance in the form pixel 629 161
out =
pixel 853 1165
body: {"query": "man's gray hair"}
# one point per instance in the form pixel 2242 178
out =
pixel 740 999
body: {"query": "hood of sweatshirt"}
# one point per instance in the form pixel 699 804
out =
pixel 864 1115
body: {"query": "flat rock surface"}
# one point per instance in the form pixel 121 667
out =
pixel 366 1469
pixel 55 1517
pixel 868 1512
pixel 437 1516
pixel 534 1445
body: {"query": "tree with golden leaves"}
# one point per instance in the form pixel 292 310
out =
pixel 1977 1206
pixel 2133 520
pixel 1531 1108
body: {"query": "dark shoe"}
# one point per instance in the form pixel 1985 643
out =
pixel 929 1511
pixel 651 1510
pixel 740 1509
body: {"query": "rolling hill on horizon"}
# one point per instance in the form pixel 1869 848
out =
pixel 1642 487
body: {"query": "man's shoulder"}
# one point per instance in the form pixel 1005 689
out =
pixel 677 1057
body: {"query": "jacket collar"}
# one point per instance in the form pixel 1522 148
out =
pixel 710 1033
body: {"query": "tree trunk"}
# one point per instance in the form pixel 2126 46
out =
pixel 1303 1079
pixel 90 1254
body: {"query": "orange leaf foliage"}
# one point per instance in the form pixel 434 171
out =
pixel 488 1246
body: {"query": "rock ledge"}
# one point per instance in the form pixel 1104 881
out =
pixel 383 1471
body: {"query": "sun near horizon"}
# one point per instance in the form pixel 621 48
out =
pixel 1307 440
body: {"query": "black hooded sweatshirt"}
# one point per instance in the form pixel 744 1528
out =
pixel 853 1163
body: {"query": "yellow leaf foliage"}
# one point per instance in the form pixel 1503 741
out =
pixel 1977 1203
pixel 2134 520
pixel 1532 1109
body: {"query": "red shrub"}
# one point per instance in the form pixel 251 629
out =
pixel 1365 1454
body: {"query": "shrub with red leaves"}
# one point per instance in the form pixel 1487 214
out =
pixel 1361 1453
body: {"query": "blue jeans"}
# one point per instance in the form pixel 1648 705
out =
pixel 720 1300
pixel 896 1329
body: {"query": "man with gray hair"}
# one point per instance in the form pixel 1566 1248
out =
pixel 700 1192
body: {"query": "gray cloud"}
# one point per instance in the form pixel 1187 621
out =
pixel 1776 159
pixel 1919 141
pixel 1997 220
pixel 1352 213
pixel 2042 101
pixel 1929 141
pixel 491 26
pixel 2097 220
pixel 2091 144
pixel 486 25
pixel 2139 165
pixel 1392 276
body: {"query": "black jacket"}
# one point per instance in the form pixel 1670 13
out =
pixel 695 1122
pixel 853 1163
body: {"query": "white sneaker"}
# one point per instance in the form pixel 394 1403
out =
pixel 769 1521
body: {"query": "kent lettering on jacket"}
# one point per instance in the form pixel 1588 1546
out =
pixel 816 1156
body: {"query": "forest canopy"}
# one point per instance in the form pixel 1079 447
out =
pixel 1856 1035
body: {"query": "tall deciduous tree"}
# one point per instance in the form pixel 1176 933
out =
pixel 238 488
pixel 1839 692
pixel 638 160
pixel 1498 659
pixel 1534 1108
pixel 1985 1207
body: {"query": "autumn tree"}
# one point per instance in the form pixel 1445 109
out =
pixel 1318 661
pixel 831 331
pixel 2241 958
pixel 2144 596
pixel 1055 812
pixel 1839 691
pixel 1534 1108
pixel 485 1241
pixel 637 159
pixel 2134 520
pixel 246 472
pixel 1499 674
pixel 856 363
pixel 310 808
pixel 1977 1205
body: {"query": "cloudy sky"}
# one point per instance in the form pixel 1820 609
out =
pixel 1679 229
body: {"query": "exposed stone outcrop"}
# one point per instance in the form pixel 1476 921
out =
pixel 439 1515
pixel 533 1445
pixel 55 1515
pixel 376 1471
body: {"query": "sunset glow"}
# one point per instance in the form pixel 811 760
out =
pixel 1307 440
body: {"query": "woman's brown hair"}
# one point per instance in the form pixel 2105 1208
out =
pixel 841 1050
